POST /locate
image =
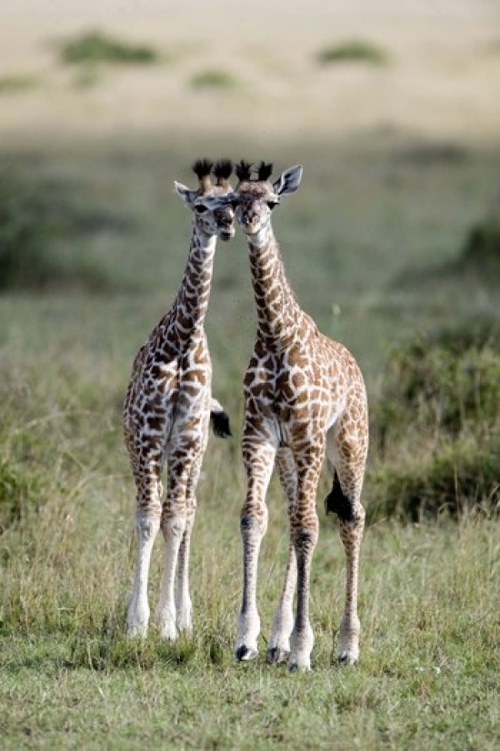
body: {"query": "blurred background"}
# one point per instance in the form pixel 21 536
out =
pixel 393 109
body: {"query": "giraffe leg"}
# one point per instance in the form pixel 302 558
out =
pixel 349 459
pixel 173 524
pixel 183 606
pixel 278 648
pixel 351 533
pixel 304 527
pixel 147 524
pixel 259 462
pixel 184 611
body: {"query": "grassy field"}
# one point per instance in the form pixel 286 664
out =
pixel 401 166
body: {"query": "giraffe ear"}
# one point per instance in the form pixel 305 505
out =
pixel 186 195
pixel 289 181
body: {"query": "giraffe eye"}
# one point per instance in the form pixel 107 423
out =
pixel 272 204
pixel 200 209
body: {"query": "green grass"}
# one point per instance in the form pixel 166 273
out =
pixel 366 219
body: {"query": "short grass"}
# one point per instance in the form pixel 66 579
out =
pixel 368 219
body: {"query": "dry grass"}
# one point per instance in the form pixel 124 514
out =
pixel 444 62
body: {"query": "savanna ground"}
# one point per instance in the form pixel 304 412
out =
pixel 401 151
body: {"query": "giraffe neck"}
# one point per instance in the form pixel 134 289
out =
pixel 191 303
pixel 277 309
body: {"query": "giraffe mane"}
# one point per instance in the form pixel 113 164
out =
pixel 222 171
pixel 202 169
pixel 264 171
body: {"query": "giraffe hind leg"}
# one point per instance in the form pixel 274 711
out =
pixel 351 524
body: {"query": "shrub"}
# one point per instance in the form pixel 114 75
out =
pixel 95 47
pixel 436 426
pixel 35 214
pixel 441 382
pixel 217 79
pixel 454 480
pixel 481 249
pixel 353 51
pixel 17 84
pixel 19 492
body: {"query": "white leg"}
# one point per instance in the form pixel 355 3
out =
pixel 259 462
pixel 278 648
pixel 184 609
pixel 166 616
pixel 147 527
pixel 173 524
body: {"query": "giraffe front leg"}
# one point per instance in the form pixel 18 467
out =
pixel 184 609
pixel 304 528
pixel 147 525
pixel 278 648
pixel 173 524
pixel 302 638
pixel 259 461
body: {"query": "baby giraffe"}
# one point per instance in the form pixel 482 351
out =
pixel 304 398
pixel 167 413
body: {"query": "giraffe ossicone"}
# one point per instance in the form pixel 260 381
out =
pixel 167 412
pixel 305 400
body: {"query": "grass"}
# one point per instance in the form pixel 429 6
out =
pixel 429 668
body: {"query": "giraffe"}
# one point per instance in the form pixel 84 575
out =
pixel 305 399
pixel 167 412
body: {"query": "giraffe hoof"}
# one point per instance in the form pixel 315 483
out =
pixel 276 655
pixel 243 653
pixel 294 667
pixel 346 658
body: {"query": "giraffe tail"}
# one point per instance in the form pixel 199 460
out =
pixel 219 419
pixel 338 503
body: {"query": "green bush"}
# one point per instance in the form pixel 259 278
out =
pixel 441 382
pixel 35 215
pixel 457 478
pixel 95 47
pixel 436 426
pixel 216 79
pixel 19 493
pixel 17 84
pixel 353 50
pixel 482 246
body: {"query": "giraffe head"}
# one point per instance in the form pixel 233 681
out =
pixel 214 218
pixel 255 199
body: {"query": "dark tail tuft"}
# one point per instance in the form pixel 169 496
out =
pixel 338 503
pixel 220 423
